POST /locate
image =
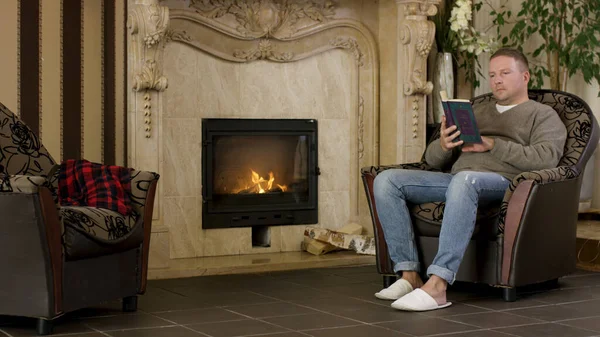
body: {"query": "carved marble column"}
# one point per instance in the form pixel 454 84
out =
pixel 147 23
pixel 415 37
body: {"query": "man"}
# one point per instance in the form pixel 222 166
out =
pixel 517 135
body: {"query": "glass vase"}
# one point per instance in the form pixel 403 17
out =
pixel 443 79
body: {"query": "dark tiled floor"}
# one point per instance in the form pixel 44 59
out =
pixel 330 302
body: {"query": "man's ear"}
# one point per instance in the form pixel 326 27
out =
pixel 526 76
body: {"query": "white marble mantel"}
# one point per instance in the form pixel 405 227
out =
pixel 190 60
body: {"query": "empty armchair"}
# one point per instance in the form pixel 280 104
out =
pixel 530 237
pixel 58 259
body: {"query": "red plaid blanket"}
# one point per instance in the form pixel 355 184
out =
pixel 83 183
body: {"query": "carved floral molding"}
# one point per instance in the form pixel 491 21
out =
pixel 419 7
pixel 266 18
pixel 417 33
pixel 177 35
pixel 264 51
pixel 147 23
pixel 415 117
pixel 149 78
pixel 352 45
pixel 361 127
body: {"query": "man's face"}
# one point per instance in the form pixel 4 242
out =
pixel 508 81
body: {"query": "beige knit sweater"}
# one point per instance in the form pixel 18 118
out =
pixel 528 137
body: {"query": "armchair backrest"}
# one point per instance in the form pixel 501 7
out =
pixel 582 127
pixel 20 149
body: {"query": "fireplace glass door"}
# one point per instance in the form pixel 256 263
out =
pixel 259 172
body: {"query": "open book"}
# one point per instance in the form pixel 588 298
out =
pixel 459 112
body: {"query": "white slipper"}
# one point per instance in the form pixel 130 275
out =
pixel 395 291
pixel 418 300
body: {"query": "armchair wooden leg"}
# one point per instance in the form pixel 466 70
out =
pixel 509 294
pixel 388 280
pixel 44 326
pixel 130 303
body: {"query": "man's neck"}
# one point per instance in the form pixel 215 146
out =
pixel 515 101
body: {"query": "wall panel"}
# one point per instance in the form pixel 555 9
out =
pixel 8 58
pixel 50 112
pixel 63 72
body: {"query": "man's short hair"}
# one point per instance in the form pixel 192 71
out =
pixel 516 54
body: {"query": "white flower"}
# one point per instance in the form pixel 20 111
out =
pixel 454 26
pixel 461 15
pixel 467 38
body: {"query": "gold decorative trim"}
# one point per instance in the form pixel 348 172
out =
pixel 82 80
pixel 40 74
pixel 264 51
pixel 352 45
pixel 18 109
pixel 102 79
pixel 266 18
pixel 61 81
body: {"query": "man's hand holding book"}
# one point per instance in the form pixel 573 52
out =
pixel 487 144
pixel 449 136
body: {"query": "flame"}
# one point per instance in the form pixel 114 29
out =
pixel 257 181
pixel 271 180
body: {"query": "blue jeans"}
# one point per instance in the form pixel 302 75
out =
pixel 462 192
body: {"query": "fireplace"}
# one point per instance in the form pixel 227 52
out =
pixel 259 172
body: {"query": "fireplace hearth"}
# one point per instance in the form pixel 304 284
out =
pixel 259 172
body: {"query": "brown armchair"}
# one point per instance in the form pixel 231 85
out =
pixel 59 259
pixel 530 237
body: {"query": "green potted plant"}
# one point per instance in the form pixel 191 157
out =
pixel 567 36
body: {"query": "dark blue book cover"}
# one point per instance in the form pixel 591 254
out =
pixel 464 118
pixel 447 114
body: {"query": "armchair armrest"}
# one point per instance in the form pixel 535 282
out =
pixel 141 182
pixel 384 265
pixel 539 206
pixel 556 174
pixel 22 183
pixel 30 219
pixel 373 171
pixel 143 189
pixel 548 175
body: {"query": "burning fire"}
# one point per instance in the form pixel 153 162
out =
pixel 257 182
